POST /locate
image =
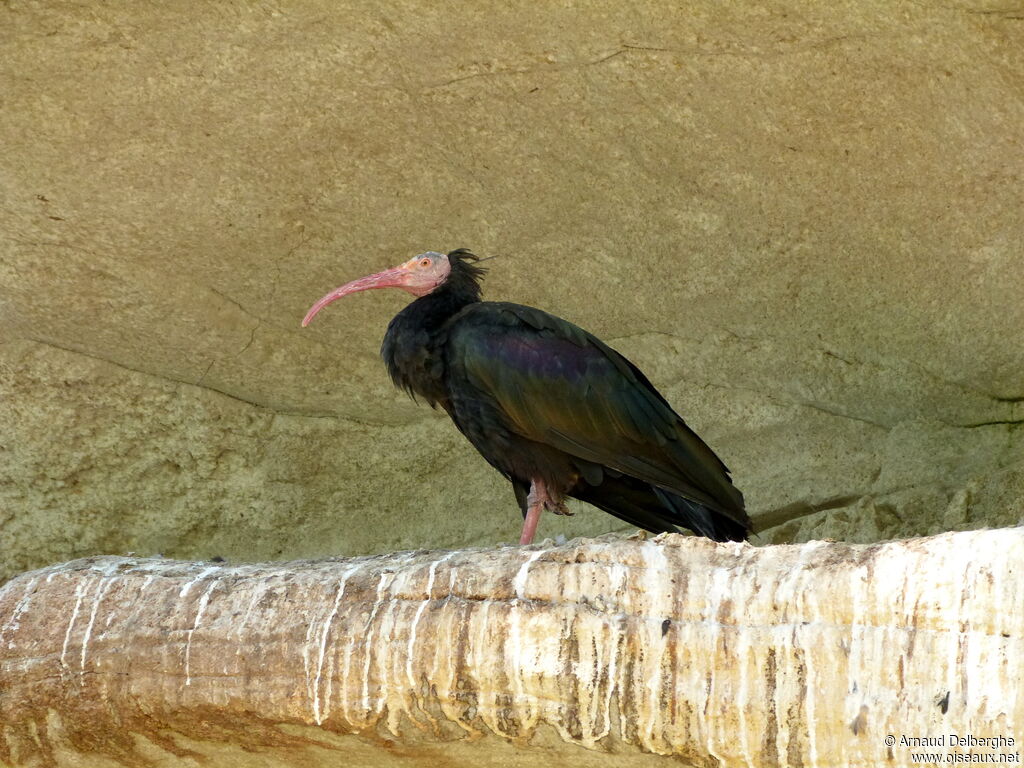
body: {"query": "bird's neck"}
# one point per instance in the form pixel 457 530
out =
pixel 430 313
pixel 412 348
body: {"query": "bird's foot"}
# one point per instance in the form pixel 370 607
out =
pixel 551 502
pixel 559 508
pixel 539 499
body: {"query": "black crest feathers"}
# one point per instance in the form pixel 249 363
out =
pixel 466 274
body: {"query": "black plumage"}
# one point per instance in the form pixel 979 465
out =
pixel 550 406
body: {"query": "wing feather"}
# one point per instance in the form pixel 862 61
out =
pixel 554 383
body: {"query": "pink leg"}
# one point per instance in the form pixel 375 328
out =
pixel 530 523
pixel 539 499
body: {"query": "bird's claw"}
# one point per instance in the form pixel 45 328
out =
pixel 559 508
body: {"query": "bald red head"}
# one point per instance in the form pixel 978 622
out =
pixel 419 276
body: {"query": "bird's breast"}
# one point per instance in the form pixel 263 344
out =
pixel 415 365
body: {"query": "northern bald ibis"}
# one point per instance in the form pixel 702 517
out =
pixel 550 406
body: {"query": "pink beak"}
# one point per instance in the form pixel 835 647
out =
pixel 389 278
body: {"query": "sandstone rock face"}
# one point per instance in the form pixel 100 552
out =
pixel 593 653
pixel 804 221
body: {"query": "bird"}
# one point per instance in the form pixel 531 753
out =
pixel 550 406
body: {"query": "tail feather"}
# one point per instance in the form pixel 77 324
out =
pixel 659 511
pixel 703 520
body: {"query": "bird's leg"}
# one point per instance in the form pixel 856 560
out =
pixel 539 499
pixel 530 523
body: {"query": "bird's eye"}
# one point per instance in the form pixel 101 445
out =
pixel 424 262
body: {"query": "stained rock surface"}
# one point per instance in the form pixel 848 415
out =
pixel 604 652
pixel 804 221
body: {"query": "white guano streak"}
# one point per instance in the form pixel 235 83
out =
pixel 485 705
pixel 717 590
pixel 202 575
pixel 368 645
pixel 101 589
pixel 518 666
pixel 617 574
pixel 203 600
pixel 447 600
pixel 342 583
pixel 79 594
pixel 431 575
pixel 20 607
pixel 799 598
pixel 656 572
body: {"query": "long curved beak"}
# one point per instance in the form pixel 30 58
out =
pixel 389 278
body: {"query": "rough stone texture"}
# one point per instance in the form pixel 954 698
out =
pixel 720 655
pixel 803 220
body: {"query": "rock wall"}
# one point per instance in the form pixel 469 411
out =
pixel 804 221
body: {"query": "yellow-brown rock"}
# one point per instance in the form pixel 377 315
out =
pixel 804 220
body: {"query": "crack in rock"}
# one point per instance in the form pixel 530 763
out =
pixel 627 48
